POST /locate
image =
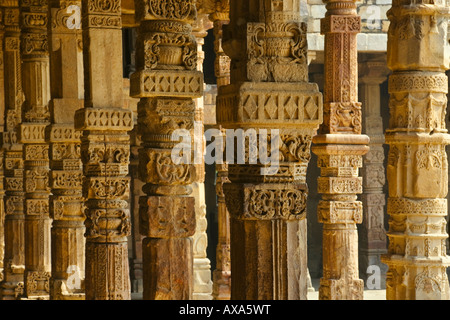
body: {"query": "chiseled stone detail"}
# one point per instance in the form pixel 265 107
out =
pixel 105 153
pixel 166 81
pixel 36 116
pixel 417 166
pixel 268 89
pixel 14 255
pixel 340 147
pixel 65 181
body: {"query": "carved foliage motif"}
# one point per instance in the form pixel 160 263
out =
pixel 107 223
pixel 163 116
pixel 272 57
pixel 266 203
pixel 343 117
pixel 171 9
pixel 159 169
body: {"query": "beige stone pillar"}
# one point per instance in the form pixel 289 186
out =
pixel 105 153
pixel 66 201
pixel 372 234
pixel 14 256
pixel 339 147
pixel 202 265
pixel 167 81
pixel 222 274
pixel 269 98
pixel 36 116
pixel 2 154
pixel 417 171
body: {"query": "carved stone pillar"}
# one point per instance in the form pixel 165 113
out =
pixel 36 116
pixel 271 100
pixel 340 147
pixel 202 265
pixel 372 235
pixel 2 127
pixel 105 153
pixel 14 257
pixel 417 171
pixel 66 201
pixel 167 81
pixel 222 274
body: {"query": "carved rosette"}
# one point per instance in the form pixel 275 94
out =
pixel 105 154
pixel 340 148
pixel 166 82
pixel 417 168
pixel 270 100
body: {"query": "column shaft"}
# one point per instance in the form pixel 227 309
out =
pixel 167 81
pixel 105 153
pixel 36 116
pixel 270 101
pixel 66 201
pixel 417 162
pixel 340 147
pixel 202 265
pixel 222 274
pixel 14 258
pixel 372 234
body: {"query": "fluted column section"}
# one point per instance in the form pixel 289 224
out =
pixel 222 273
pixel 14 256
pixel 105 153
pixel 36 116
pixel 418 55
pixel 66 201
pixel 270 98
pixel 340 148
pixel 167 81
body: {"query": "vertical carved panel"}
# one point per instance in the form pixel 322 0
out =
pixel 417 169
pixel 268 93
pixel 105 153
pixel 166 82
pixel 340 147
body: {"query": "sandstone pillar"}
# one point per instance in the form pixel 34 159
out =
pixel 202 265
pixel 66 202
pixel 270 101
pixel 418 55
pixel 167 81
pixel 14 256
pixel 340 147
pixel 222 274
pixel 2 127
pixel 372 234
pixel 105 153
pixel 36 116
